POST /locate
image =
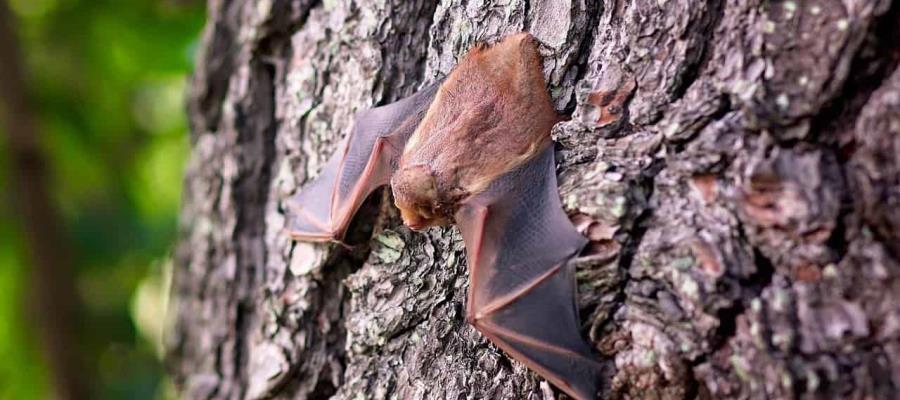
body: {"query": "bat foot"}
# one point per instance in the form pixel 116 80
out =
pixel 318 237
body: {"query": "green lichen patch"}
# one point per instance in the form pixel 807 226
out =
pixel 389 246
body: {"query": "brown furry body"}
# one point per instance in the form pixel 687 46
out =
pixel 492 114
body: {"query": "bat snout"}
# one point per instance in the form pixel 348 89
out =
pixel 415 220
pixel 418 226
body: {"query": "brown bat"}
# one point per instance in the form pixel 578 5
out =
pixel 475 150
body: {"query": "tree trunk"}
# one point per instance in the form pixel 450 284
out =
pixel 734 162
pixel 52 296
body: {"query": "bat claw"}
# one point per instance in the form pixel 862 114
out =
pixel 345 245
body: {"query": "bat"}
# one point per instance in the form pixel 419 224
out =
pixel 475 150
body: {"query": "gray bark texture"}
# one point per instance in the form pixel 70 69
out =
pixel 735 163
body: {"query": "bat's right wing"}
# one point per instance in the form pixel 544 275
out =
pixel 522 289
pixel 322 210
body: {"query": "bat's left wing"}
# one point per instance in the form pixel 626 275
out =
pixel 322 210
pixel 522 290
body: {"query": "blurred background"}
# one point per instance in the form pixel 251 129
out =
pixel 93 141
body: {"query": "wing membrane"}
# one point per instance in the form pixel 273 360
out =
pixel 322 210
pixel 522 290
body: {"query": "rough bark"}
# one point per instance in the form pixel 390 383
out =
pixel 735 164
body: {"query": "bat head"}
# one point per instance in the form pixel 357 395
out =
pixel 416 195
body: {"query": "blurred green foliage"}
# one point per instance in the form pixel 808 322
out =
pixel 108 78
